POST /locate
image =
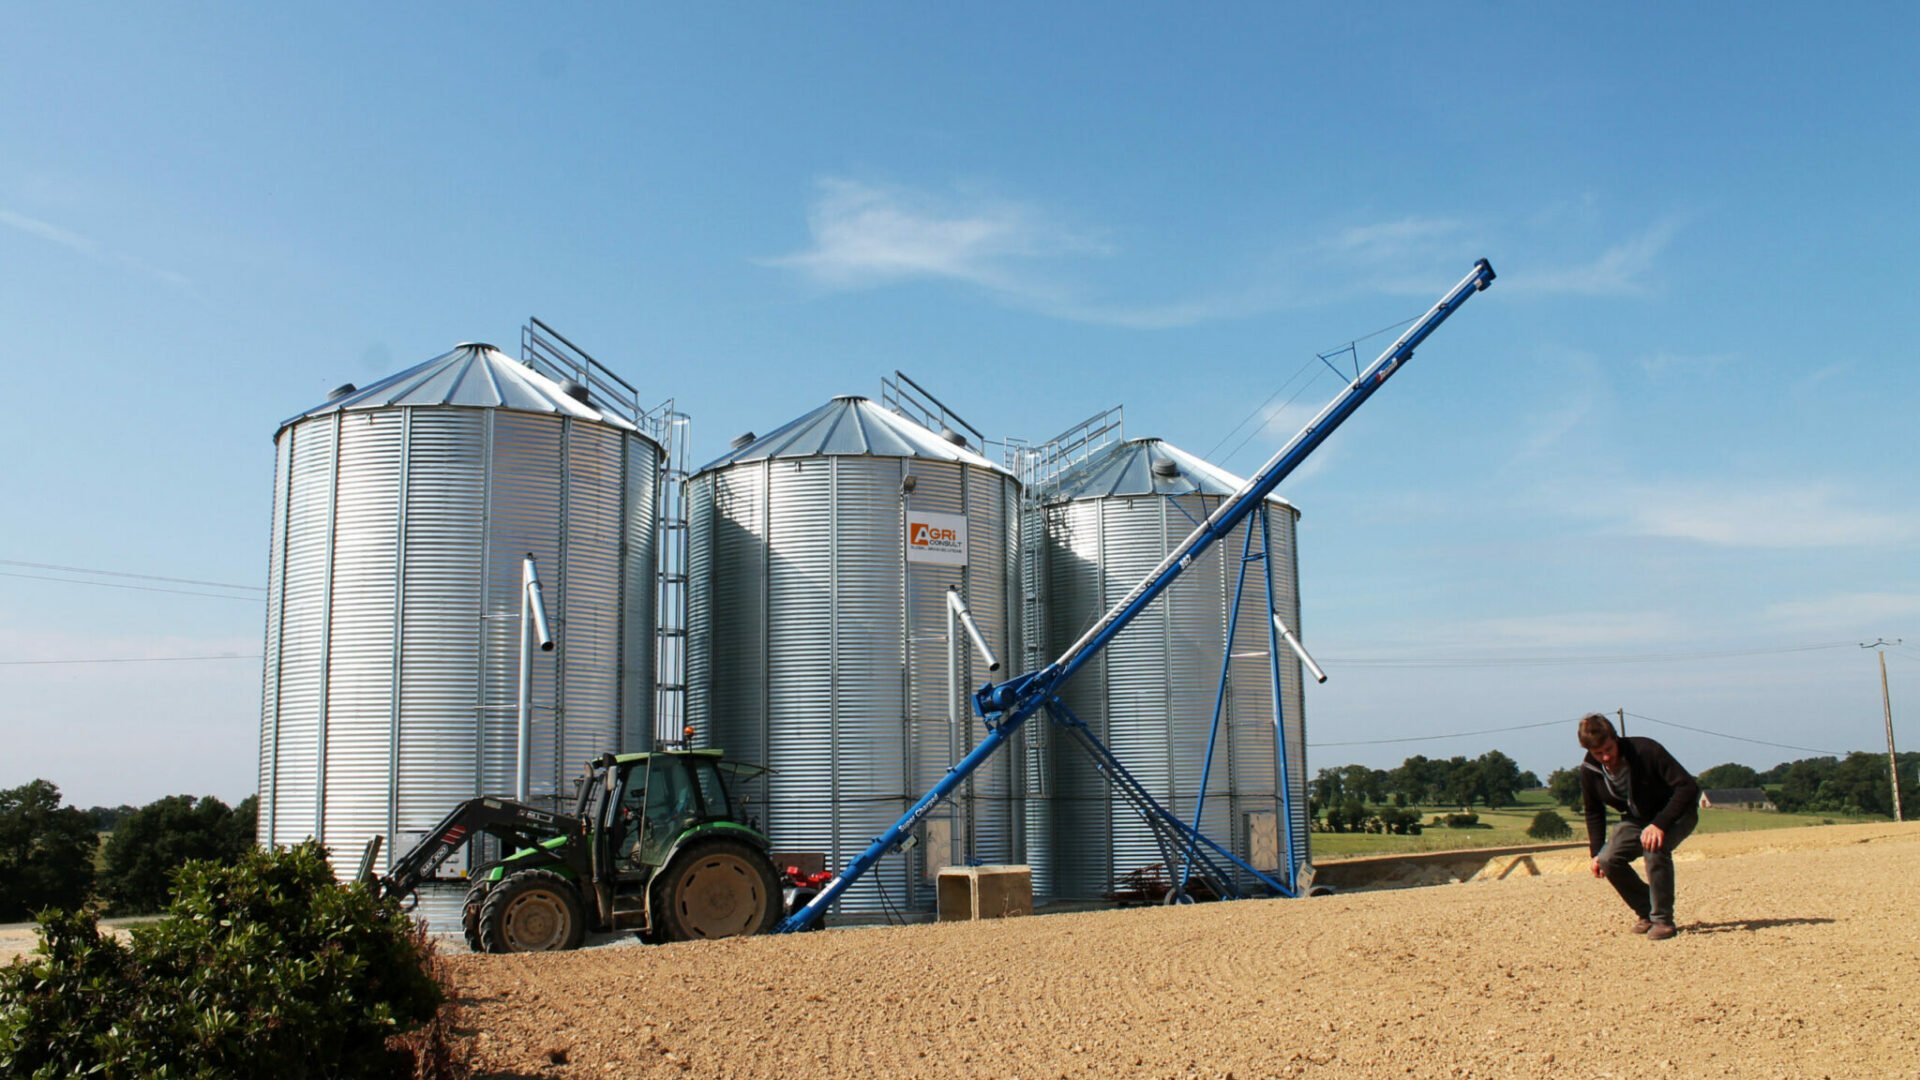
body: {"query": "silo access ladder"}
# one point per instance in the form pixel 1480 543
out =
pixel 1005 706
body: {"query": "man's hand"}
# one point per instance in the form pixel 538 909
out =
pixel 1597 871
pixel 1652 838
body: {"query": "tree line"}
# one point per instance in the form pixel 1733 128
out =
pixel 1859 785
pixel 53 856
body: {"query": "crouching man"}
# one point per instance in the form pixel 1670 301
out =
pixel 1659 805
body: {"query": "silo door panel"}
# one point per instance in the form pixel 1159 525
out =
pixel 1263 840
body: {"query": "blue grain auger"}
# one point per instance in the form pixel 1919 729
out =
pixel 1005 706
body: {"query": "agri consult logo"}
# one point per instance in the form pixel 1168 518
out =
pixel 928 536
pixel 937 538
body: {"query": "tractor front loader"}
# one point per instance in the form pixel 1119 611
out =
pixel 653 846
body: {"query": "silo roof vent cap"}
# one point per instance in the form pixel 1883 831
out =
pixel 745 438
pixel 577 391
pixel 341 391
pixel 1165 467
pixel 475 345
pixel 953 436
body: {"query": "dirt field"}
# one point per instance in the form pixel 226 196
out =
pixel 1799 956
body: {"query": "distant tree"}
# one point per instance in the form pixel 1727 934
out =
pixel 1730 775
pixel 1367 785
pixel 1530 781
pixel 1549 825
pixel 157 839
pixel 107 818
pixel 1413 780
pixel 1329 788
pixel 1564 784
pixel 1800 784
pixel 1496 778
pixel 1462 784
pixel 46 852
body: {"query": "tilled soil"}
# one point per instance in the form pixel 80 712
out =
pixel 1799 956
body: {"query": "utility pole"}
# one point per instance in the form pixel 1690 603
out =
pixel 1886 703
pixel 1623 720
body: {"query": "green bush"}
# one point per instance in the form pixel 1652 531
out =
pixel 264 968
pixel 1463 821
pixel 1397 821
pixel 1549 825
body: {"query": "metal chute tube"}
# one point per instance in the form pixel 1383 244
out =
pixel 533 629
pixel 1006 706
pixel 1283 462
pixel 537 604
pixel 1299 650
pixel 959 605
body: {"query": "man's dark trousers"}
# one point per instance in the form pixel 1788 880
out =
pixel 1652 898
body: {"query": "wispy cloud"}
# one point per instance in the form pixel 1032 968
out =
pixel 1394 241
pixel 1625 269
pixel 1849 613
pixel 866 235
pixel 1572 630
pixel 90 248
pixel 1788 516
pixel 1661 366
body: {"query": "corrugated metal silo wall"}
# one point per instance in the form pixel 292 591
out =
pixel 1039 740
pixel 1150 694
pixel 391 675
pixel 815 648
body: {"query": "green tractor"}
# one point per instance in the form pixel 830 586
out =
pixel 653 845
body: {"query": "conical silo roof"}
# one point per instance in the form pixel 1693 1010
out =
pixel 472 375
pixel 1139 467
pixel 855 426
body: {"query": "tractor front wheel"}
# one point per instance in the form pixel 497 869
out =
pixel 470 913
pixel 717 888
pixel 532 911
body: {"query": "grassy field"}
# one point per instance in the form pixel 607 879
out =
pixel 1507 827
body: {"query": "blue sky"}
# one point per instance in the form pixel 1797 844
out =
pixel 1665 464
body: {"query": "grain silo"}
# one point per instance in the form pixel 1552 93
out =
pixel 1150 695
pixel 402 515
pixel 821 556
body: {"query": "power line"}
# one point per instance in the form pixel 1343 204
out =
pixel 1736 738
pixel 1283 386
pixel 1545 661
pixel 1431 738
pixel 1256 412
pixel 124 660
pixel 140 588
pixel 124 574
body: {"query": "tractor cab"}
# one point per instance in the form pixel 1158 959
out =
pixel 644 804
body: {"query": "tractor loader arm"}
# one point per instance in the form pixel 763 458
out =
pixel 518 825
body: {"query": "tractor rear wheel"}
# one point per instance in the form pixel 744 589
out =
pixel 470 913
pixel 532 911
pixel 717 888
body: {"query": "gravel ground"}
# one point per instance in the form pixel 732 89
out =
pixel 1799 956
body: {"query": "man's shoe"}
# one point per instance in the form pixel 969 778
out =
pixel 1660 931
pixel 1643 925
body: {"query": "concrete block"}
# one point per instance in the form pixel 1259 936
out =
pixel 984 892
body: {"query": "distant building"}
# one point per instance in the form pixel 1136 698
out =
pixel 1735 798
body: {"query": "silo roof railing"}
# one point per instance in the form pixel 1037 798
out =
pixel 471 374
pixel 852 425
pixel 1141 467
